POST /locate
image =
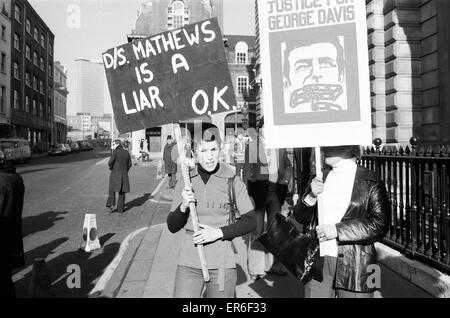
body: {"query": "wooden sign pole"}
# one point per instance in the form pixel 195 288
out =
pixel 192 207
pixel 319 175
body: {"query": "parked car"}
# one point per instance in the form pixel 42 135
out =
pixel 67 148
pixel 16 149
pixel 57 150
pixel 85 145
pixel 74 146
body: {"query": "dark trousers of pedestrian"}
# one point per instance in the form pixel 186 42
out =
pixel 239 169
pixel 172 180
pixel 189 283
pixel 267 204
pixel 6 283
pixel 325 289
pixel 120 201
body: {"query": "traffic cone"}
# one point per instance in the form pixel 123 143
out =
pixel 90 234
pixel 40 285
pixel 159 174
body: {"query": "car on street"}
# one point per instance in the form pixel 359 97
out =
pixel 16 149
pixel 74 146
pixel 57 150
pixel 85 145
pixel 67 148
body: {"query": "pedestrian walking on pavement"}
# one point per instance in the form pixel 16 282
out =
pixel 271 172
pixel 12 192
pixel 119 165
pixel 356 214
pixel 210 190
pixel 170 164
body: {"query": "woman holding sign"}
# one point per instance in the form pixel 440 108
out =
pixel 211 193
pixel 356 214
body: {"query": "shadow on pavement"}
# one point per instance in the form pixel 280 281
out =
pixel 137 202
pixel 41 222
pixel 92 266
pixel 43 251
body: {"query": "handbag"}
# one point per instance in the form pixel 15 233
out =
pixel 297 250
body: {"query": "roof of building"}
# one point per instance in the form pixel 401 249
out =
pixel 232 40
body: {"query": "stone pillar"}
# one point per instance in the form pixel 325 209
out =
pixel 443 99
pixel 403 75
pixel 375 28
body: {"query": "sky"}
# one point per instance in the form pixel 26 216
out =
pixel 106 23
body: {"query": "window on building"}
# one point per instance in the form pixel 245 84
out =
pixel 50 70
pixel 28 52
pixel 16 42
pixel 43 41
pixel 34 107
pixel 28 26
pixel 36 34
pixel 16 71
pixel 35 58
pixel 177 16
pixel 241 53
pixel 50 49
pixel 3 32
pixel 42 64
pixel 35 83
pixel 41 87
pixel 2 98
pixel 242 85
pixel 17 13
pixel 3 63
pixel 27 79
pixel 16 104
pixel 27 104
pixel 41 109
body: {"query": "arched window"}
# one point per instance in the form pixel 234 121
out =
pixel 241 53
pixel 177 16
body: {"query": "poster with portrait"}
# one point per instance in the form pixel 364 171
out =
pixel 315 72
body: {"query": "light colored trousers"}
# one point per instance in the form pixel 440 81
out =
pixel 189 283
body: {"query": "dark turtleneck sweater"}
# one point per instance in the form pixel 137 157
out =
pixel 176 220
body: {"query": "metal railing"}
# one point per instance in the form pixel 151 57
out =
pixel 418 184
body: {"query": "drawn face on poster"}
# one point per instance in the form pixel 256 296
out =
pixel 314 75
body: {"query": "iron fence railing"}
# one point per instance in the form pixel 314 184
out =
pixel 417 180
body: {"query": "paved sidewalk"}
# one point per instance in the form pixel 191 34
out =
pixel 151 273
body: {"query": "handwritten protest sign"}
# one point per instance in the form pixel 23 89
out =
pixel 315 72
pixel 172 76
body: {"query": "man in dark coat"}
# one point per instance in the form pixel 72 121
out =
pixel 119 164
pixel 170 163
pixel 11 203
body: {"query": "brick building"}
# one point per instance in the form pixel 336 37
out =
pixel 60 104
pixel 5 68
pixel 31 76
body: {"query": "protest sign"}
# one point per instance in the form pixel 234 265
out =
pixel 315 72
pixel 172 76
